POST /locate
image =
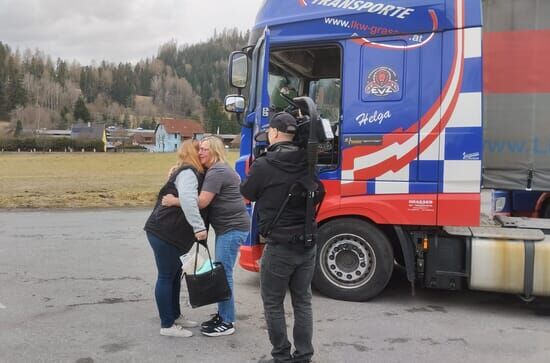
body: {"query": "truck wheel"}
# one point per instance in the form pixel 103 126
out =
pixel 546 210
pixel 354 260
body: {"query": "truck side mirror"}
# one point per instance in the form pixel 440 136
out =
pixel 238 70
pixel 234 103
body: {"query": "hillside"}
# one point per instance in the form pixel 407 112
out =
pixel 181 81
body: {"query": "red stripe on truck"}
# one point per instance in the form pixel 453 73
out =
pixel 516 61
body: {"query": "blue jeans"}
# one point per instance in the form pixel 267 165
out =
pixel 227 249
pixel 167 288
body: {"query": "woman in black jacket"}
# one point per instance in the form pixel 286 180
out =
pixel 171 232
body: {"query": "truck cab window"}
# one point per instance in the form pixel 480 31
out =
pixel 326 94
pixel 280 85
pixel 314 72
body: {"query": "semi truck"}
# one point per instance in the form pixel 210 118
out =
pixel 425 106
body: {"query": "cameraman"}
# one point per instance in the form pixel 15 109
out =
pixel 288 262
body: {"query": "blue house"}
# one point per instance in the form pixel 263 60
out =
pixel 170 133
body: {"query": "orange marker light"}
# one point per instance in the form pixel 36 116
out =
pixel 425 244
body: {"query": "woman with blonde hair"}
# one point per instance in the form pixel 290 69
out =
pixel 171 233
pixel 228 216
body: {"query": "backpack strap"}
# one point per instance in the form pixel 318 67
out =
pixel 311 188
pixel 308 189
pixel 279 212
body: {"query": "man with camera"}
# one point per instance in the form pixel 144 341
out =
pixel 279 184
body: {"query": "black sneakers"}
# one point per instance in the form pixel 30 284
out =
pixel 216 319
pixel 218 329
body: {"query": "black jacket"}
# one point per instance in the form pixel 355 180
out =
pixel 269 182
pixel 169 223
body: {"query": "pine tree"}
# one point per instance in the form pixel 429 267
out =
pixel 148 124
pixel 63 123
pixel 4 114
pixel 123 88
pixel 88 83
pixel 61 71
pixel 81 111
pixel 4 51
pixel 17 96
pixel 18 128
pixel 216 119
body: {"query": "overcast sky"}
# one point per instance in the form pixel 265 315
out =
pixel 116 30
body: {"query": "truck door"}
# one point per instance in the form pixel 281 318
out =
pixel 262 93
pixel 258 118
pixel 391 92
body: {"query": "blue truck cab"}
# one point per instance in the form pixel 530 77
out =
pixel 400 85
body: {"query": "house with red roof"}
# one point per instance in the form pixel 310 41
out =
pixel 170 133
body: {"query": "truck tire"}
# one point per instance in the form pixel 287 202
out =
pixel 546 210
pixel 354 260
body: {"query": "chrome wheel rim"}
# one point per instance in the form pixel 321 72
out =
pixel 347 261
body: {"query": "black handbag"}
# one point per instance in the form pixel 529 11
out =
pixel 209 287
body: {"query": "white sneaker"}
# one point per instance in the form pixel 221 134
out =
pixel 176 331
pixel 186 323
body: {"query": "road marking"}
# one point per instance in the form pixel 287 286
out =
pixel 2 306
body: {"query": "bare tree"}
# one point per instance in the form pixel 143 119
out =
pixel 33 117
pixel 144 107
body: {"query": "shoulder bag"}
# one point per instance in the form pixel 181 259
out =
pixel 209 287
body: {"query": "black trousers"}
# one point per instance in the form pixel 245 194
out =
pixel 289 267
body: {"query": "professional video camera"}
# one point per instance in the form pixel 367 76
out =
pixel 311 128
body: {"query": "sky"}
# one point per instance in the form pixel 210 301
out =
pixel 116 30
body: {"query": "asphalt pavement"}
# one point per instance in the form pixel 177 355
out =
pixel 77 286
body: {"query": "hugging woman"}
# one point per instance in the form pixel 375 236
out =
pixel 171 232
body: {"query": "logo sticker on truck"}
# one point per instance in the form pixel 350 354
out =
pixel 392 11
pixel 421 205
pixel 376 117
pixel 382 82
pixel 470 156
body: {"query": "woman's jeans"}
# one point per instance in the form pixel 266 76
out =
pixel 227 249
pixel 167 288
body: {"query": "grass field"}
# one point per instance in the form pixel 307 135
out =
pixel 83 180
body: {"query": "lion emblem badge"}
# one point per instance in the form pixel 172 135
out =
pixel 382 82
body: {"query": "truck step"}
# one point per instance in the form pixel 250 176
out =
pixel 524 222
pixel 497 233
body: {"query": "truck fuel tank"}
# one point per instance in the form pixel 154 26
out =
pixel 509 260
pixel 520 266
